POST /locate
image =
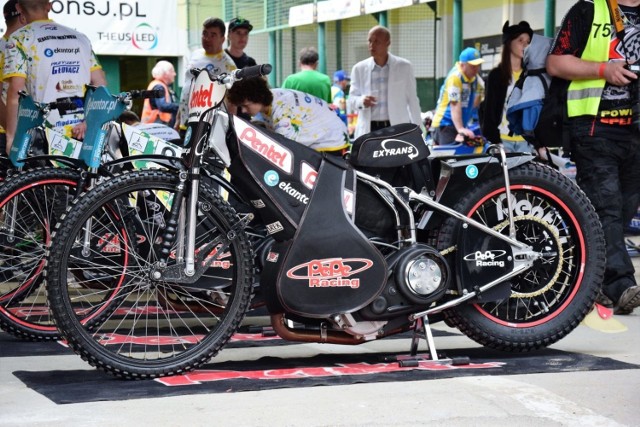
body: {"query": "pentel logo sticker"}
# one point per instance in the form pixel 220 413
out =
pixel 275 153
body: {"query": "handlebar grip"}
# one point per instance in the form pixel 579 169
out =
pixel 254 71
pixel 63 106
pixel 155 93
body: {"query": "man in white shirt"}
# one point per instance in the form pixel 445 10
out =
pixel 383 87
pixel 211 56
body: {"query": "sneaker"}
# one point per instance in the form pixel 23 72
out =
pixel 629 300
pixel 604 300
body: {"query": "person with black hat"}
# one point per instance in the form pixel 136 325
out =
pixel 237 38
pixel 500 83
pixel 12 19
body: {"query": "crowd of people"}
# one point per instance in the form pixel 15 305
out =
pixel 381 91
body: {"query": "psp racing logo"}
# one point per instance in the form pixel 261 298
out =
pixel 401 148
pixel 331 272
pixel 486 258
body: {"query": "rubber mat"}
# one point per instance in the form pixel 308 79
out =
pixel 91 385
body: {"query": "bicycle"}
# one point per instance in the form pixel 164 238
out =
pixel 32 201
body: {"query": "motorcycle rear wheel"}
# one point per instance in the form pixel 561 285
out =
pixel 133 326
pixel 550 299
pixel 31 203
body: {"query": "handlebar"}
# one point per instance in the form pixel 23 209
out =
pixel 239 74
pixel 253 71
pixel 142 94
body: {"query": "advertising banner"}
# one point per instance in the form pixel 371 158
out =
pixel 123 27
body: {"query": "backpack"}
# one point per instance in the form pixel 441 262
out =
pixel 537 106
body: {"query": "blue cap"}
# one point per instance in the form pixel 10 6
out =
pixel 471 56
pixel 340 75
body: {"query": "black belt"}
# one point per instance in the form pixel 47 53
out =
pixel 380 123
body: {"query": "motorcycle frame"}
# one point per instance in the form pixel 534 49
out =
pixel 203 141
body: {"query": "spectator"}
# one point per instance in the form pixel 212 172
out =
pixel 238 37
pixel 162 109
pixel 14 21
pixel 211 56
pixel 605 141
pixel 500 83
pixel 33 52
pixel 294 114
pixel 308 79
pixel 338 97
pixel 459 97
pixel 383 87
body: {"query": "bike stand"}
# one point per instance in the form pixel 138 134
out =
pixel 422 330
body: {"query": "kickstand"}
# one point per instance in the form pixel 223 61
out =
pixel 422 330
pixel 422 326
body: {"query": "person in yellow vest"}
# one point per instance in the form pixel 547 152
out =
pixel 163 109
pixel 605 138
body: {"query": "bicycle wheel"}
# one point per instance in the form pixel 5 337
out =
pixel 30 204
pixel 111 307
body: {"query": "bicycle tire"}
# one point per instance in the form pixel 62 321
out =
pixel 30 204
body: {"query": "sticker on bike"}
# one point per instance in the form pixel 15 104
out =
pixel 331 272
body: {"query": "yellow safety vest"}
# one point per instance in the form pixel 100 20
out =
pixel 583 96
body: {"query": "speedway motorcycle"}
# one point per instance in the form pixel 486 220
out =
pixel 390 240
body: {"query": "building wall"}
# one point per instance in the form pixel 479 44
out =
pixel 416 34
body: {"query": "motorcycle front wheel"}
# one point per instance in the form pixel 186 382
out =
pixel 549 300
pixel 106 297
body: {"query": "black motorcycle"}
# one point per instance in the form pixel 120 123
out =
pixel 507 250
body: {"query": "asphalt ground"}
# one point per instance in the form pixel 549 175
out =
pixel 589 378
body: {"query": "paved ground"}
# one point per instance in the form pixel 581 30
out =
pixel 587 398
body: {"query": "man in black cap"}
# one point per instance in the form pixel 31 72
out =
pixel 238 37
pixel 14 22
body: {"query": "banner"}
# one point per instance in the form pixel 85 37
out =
pixel 124 27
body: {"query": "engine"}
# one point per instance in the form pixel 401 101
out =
pixel 419 276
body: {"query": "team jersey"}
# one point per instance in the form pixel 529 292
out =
pixel 55 61
pixel 615 109
pixel 457 88
pixel 306 119
pixel 219 63
pixel 3 44
pixel 339 102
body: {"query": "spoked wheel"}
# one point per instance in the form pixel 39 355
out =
pixel 134 315
pixel 551 298
pixel 30 204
